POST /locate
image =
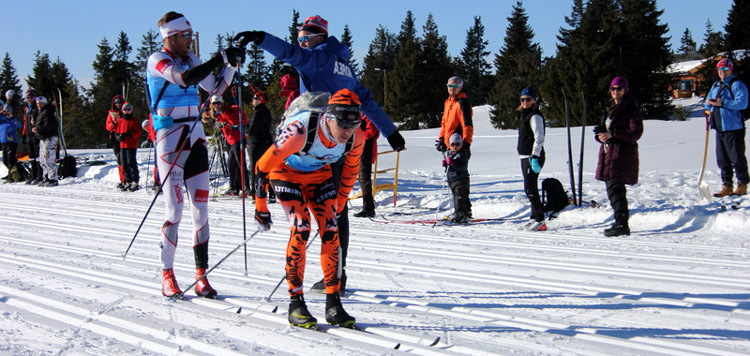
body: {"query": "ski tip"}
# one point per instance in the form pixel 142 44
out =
pixel 239 310
pixel 275 309
pixel 437 341
pixel 398 346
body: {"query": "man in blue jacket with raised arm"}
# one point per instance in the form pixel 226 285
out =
pixel 321 61
pixel 727 98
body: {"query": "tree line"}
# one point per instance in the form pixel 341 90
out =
pixel 406 71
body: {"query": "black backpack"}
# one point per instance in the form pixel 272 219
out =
pixel 554 197
pixel 67 167
pixel 18 172
pixel 744 112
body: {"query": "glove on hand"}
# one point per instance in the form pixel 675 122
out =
pixel 243 38
pixel 261 182
pixel 445 163
pixel 125 135
pixel 535 167
pixel 397 141
pixel 263 220
pixel 440 145
pixel 467 149
pixel 235 56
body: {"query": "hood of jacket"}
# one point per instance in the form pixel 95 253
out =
pixel 118 96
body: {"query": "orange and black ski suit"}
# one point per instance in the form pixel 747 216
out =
pixel 297 190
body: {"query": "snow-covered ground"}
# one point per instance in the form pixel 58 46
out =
pixel 679 285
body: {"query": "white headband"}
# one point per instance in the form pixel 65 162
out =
pixel 174 27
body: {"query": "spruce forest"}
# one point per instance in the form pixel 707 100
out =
pixel 406 71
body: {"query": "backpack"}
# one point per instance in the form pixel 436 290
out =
pixel 67 167
pixel 744 112
pixel 18 172
pixel 554 197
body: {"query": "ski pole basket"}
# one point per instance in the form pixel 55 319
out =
pixel 384 186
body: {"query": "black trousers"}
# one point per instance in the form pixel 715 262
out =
pixel 10 151
pixel 617 195
pixel 461 202
pixel 257 149
pixel 365 177
pixel 730 156
pixel 531 188
pixel 236 166
pixel 130 165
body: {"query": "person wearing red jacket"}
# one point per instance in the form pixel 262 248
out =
pixel 127 132
pixel 289 89
pixel 228 119
pixel 369 155
pixel 113 115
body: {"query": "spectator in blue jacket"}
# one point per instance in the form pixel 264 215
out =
pixel 9 125
pixel 727 98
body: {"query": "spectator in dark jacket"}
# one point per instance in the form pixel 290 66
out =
pixel 227 117
pixel 9 126
pixel 29 113
pixel 457 164
pixel 369 156
pixel 45 127
pixel 127 133
pixel 261 137
pixel 531 134
pixel 619 130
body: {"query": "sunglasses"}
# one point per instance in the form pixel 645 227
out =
pixel 127 110
pixel 216 103
pixel 616 88
pixel 523 100
pixel 256 98
pixel 306 38
pixel 454 86
pixel 724 68
pixel 456 144
pixel 118 102
pixel 185 34
pixel 348 125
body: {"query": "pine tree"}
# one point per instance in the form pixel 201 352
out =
pixel 378 62
pixel 257 70
pixel 346 39
pixel 687 45
pixel 8 78
pixel 713 42
pixel 121 67
pixel 41 79
pixel 473 66
pixel 437 67
pixel 737 28
pixel 294 27
pixel 104 87
pixel 404 81
pixel 518 65
pixel 149 44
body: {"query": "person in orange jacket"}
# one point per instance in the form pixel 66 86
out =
pixel 127 132
pixel 298 166
pixel 457 117
pixel 114 115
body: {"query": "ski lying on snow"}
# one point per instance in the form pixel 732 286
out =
pixel 386 220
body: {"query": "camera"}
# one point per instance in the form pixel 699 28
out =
pixel 600 129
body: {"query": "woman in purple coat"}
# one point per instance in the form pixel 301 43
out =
pixel 618 132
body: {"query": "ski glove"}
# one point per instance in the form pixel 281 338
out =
pixel 161 122
pixel 467 149
pixel 243 38
pixel 261 182
pixel 263 220
pixel 535 167
pixel 440 145
pixel 235 56
pixel 397 141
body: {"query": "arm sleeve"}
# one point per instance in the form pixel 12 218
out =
pixel 537 127
pixel 110 124
pixel 303 60
pixel 740 97
pixel 350 170
pixel 467 120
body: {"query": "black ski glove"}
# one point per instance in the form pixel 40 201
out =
pixel 440 145
pixel 397 141
pixel 235 55
pixel 467 148
pixel 125 135
pixel 243 38
pixel 263 220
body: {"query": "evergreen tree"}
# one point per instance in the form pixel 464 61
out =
pixel 150 43
pixel 713 42
pixel 8 78
pixel 378 62
pixel 404 82
pixel 518 65
pixel 737 28
pixel 105 86
pixel 121 68
pixel 294 27
pixel 437 67
pixel 472 65
pixel 687 45
pixel 257 70
pixel 41 80
pixel 346 39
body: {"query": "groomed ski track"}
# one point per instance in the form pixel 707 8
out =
pixel 481 289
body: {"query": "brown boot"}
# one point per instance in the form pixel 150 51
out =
pixel 741 189
pixel 725 190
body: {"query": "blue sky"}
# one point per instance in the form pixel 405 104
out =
pixel 71 30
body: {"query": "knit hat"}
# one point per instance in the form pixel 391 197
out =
pixel 529 91
pixel 620 81
pixel 725 62
pixel 41 99
pixel 315 24
pixel 29 92
pixel 345 106
pixel 10 94
pixel 456 138
pixel 127 105
pixel 216 99
pixel 261 96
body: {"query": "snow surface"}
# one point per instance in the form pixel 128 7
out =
pixel 679 285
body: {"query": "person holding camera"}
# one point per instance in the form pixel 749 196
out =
pixel 618 131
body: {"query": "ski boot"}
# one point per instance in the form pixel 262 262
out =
pixel 169 287
pixel 299 315
pixel 534 225
pixel 320 286
pixel 617 230
pixel 202 288
pixel 335 313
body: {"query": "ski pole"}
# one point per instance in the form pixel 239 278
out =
pixel 242 149
pixel 445 182
pixel 580 161
pixel 243 243
pixel 268 299
pixel 179 152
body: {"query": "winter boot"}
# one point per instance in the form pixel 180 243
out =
pixel 461 219
pixel 365 214
pixel 169 286
pixel 50 183
pixel 299 315
pixel 725 190
pixel 202 288
pixel 617 230
pixel 741 189
pixel 133 187
pixel 534 225
pixel 335 313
